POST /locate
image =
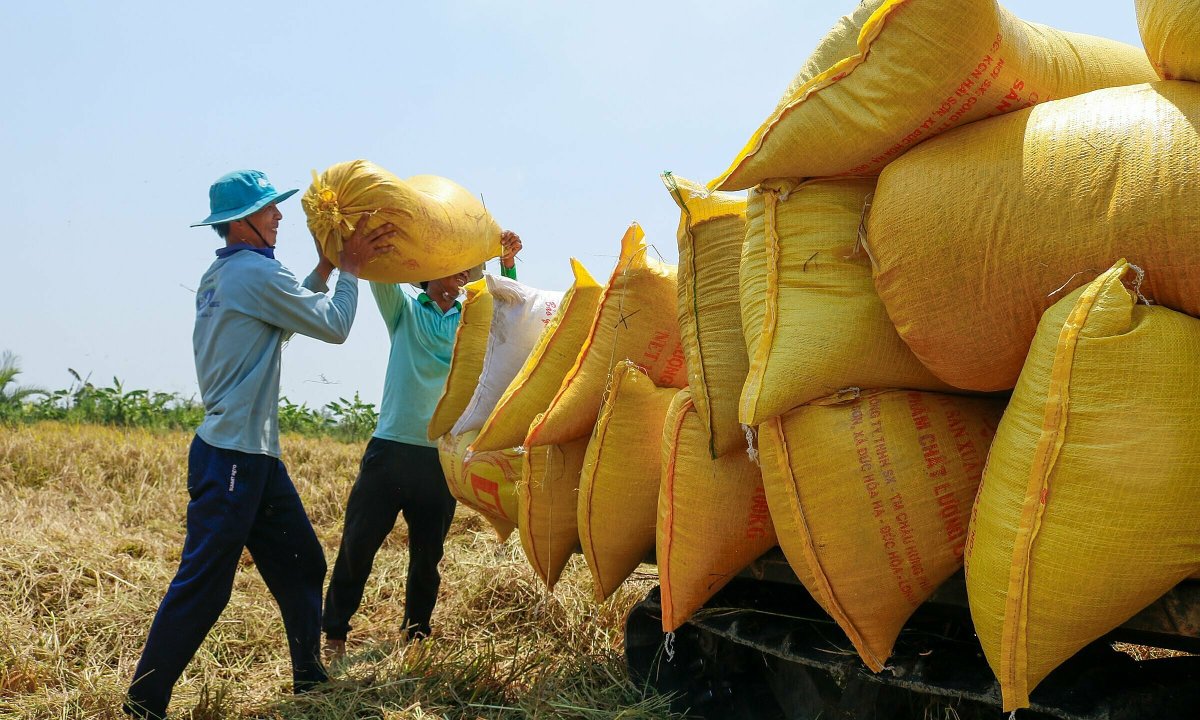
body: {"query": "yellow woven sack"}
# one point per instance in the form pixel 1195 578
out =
pixel 485 482
pixel 712 515
pixel 546 501
pixel 618 488
pixel 635 320
pixel 466 361
pixel 813 322
pixel 443 228
pixel 896 72
pixel 871 497
pixel 1171 33
pixel 1088 508
pixel 535 385
pixel 976 233
pixel 712 228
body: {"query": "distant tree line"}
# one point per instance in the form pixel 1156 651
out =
pixel 344 419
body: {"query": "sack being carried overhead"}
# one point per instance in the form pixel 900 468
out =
pixel 814 324
pixel 975 233
pixel 712 228
pixel 485 482
pixel 871 496
pixel 1171 33
pixel 519 315
pixel 1088 508
pixel 442 228
pixel 635 320
pixel 531 391
pixel 897 72
pixel 466 362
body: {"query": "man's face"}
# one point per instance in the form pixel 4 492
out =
pixel 266 221
pixel 450 285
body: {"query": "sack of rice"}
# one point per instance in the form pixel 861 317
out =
pixel 894 73
pixel 485 482
pixel 712 228
pixel 466 361
pixel 871 495
pixel 814 324
pixel 969 254
pixel 1171 33
pixel 712 515
pixel 618 489
pixel 519 315
pixel 546 506
pixel 442 228
pixel 1088 508
pixel 635 320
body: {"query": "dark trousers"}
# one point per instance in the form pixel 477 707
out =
pixel 394 478
pixel 237 500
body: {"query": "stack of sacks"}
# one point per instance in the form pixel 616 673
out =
pixel 975 233
pixel 712 229
pixel 897 72
pixel 635 320
pixel 713 519
pixel 871 495
pixel 531 391
pixel 486 482
pixel 1171 33
pixel 618 490
pixel 501 319
pixel 813 323
pixel 441 227
pixel 1088 508
pixel 519 315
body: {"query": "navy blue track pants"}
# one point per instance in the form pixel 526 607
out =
pixel 237 500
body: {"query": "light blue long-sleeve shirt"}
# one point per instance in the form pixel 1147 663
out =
pixel 422 342
pixel 247 305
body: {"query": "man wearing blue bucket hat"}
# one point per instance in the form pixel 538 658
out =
pixel 240 494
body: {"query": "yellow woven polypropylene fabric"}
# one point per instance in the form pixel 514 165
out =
pixel 546 512
pixel 813 322
pixel 976 233
pixel 713 519
pixel 466 361
pixel 531 391
pixel 484 482
pixel 635 320
pixel 618 488
pixel 871 496
pixel 441 227
pixel 712 228
pixel 896 72
pixel 1171 33
pixel 1088 508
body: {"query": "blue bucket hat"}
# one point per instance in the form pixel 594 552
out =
pixel 240 193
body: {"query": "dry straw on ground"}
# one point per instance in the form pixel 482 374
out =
pixel 91 526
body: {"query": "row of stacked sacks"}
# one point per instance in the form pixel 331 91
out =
pixel 933 205
pixel 931 209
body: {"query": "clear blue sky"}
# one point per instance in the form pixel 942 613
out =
pixel 117 116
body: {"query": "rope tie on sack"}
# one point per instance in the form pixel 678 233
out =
pixel 326 210
pixel 751 448
pixel 669 646
pixel 861 243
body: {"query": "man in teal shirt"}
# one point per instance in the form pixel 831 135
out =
pixel 400 470
pixel 239 490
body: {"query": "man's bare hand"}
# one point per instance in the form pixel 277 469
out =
pixel 364 245
pixel 512 245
